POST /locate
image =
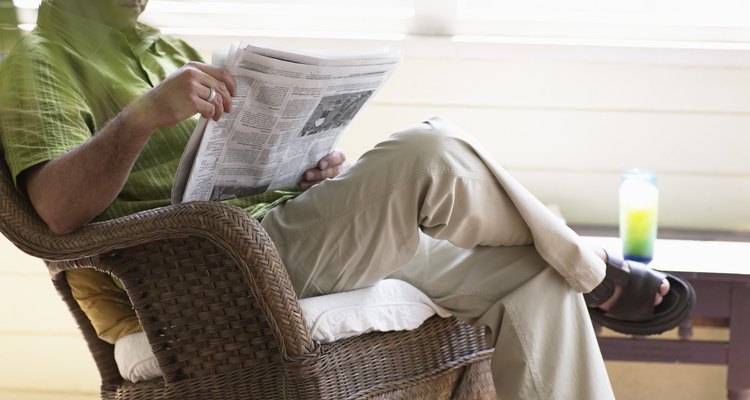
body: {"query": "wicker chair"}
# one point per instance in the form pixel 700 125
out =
pixel 223 320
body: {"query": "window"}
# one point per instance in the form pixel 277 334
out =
pixel 324 18
pixel 8 27
pixel 463 20
pixel 694 20
pixel 329 18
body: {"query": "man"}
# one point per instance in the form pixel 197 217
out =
pixel 96 108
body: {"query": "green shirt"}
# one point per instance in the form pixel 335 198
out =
pixel 70 76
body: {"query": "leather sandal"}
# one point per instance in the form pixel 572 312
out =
pixel 634 312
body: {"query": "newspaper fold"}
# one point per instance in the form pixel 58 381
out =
pixel 291 109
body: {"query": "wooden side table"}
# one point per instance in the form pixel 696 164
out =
pixel 720 273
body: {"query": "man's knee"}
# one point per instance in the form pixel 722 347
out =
pixel 434 142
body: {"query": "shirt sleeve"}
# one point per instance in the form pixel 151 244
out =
pixel 43 113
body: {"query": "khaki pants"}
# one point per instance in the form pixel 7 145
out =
pixel 430 207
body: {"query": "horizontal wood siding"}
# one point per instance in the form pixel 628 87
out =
pixel 44 356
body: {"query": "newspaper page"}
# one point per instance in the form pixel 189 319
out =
pixel 291 109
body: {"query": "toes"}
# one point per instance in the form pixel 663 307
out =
pixel 663 290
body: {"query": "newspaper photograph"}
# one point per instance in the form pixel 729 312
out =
pixel 291 109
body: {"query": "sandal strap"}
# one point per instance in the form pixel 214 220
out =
pixel 600 294
pixel 637 300
pixel 615 274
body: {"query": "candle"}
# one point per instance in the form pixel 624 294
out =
pixel 639 202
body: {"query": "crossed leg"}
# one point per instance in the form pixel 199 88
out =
pixel 354 230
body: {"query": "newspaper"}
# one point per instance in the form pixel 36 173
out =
pixel 291 109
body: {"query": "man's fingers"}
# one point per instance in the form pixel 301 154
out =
pixel 202 105
pixel 218 107
pixel 205 109
pixel 333 172
pixel 334 158
pixel 225 97
pixel 205 93
pixel 304 185
pixel 219 74
pixel 329 166
pixel 316 174
pixel 218 100
pixel 222 93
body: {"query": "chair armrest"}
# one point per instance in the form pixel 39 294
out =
pixel 242 264
pixel 245 248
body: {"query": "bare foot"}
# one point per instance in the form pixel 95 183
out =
pixel 607 305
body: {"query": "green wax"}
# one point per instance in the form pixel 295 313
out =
pixel 638 233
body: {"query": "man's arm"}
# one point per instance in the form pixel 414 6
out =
pixel 74 188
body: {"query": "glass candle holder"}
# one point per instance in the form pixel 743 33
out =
pixel 639 203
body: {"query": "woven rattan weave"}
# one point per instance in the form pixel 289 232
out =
pixel 223 320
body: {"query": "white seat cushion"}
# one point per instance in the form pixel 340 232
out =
pixel 389 305
pixel 134 358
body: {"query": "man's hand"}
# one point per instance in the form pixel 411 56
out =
pixel 187 92
pixel 329 166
